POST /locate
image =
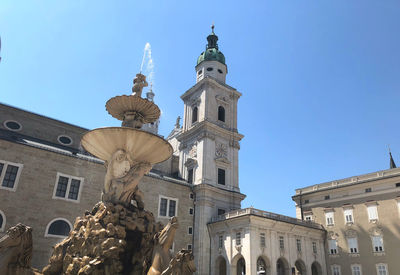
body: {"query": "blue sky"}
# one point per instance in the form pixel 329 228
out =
pixel 320 79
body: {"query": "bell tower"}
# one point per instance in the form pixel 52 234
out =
pixel 209 146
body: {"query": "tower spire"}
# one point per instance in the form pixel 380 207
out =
pixel 212 39
pixel 392 163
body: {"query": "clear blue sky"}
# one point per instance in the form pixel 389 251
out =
pixel 320 79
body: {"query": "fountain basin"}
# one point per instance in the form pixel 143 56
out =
pixel 142 146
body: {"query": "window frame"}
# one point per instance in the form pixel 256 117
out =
pixel 191 209
pixel 221 111
pixel 353 240
pixel 348 212
pixel 263 241
pixel 373 244
pixel 220 241
pixel 327 216
pixel 339 269
pixel 298 245
pixel 314 247
pixel 190 228
pixel 46 234
pixel 371 206
pixel 382 264
pixel 3 173
pixel 168 204
pixel 238 238
pixel 3 225
pixel 281 242
pixel 331 249
pixel 70 178
pixel 195 110
pixel 222 169
pixel 359 272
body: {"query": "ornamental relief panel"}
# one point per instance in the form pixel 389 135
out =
pixel 193 151
pixel 221 150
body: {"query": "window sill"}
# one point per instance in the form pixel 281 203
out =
pixel 13 189
pixel 354 254
pixel 334 255
pixel 65 199
pixel 380 253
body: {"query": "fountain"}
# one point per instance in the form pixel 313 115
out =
pixel 118 236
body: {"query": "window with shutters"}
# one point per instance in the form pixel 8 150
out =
pixel 353 245
pixel 372 212
pixel 348 215
pixel 329 217
pixel 67 187
pixel 9 175
pixel 377 243
pixel 167 207
pixel 332 244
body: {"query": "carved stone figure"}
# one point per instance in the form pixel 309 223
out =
pixel 122 179
pixel 138 84
pixel 161 253
pixel 181 264
pixel 16 250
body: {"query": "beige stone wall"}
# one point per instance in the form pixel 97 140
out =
pixel 386 196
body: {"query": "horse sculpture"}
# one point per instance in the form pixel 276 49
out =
pixel 181 264
pixel 163 242
pixel 16 250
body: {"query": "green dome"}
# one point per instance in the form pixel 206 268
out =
pixel 211 53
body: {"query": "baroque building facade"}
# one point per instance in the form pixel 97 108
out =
pixel 47 179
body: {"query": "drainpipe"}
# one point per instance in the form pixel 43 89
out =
pixel 209 263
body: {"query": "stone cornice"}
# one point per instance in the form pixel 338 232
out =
pixel 208 188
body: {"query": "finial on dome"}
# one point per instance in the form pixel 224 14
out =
pixel 212 28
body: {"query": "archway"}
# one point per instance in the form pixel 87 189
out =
pixel 282 267
pixel 241 267
pixel 220 266
pixel 300 267
pixel 263 266
pixel 316 269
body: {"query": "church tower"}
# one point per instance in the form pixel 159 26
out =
pixel 209 146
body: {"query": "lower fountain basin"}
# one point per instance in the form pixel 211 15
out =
pixel 141 145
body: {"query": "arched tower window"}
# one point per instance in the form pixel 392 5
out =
pixel 194 115
pixel 221 113
pixel 58 228
pixel 2 221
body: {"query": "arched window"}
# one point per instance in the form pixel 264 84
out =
pixel 221 113
pixel 194 115
pixel 2 221
pixel 58 228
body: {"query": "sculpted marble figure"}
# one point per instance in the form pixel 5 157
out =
pixel 122 179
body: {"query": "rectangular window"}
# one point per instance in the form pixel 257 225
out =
pixel 314 247
pixel 191 210
pixel 189 247
pixel 332 247
pixel 348 215
pixel 238 238
pixel 67 187
pixel 221 176
pixel 262 239
pixel 308 217
pixel 398 184
pixel 190 176
pixel 190 230
pixel 191 196
pixel 327 197
pixel 221 211
pixel 336 270
pixel 306 201
pixel 298 245
pixel 329 218
pixel 367 190
pixel 372 212
pixel 220 241
pixel 381 269
pixel 9 175
pixel 167 207
pixel 377 243
pixel 353 245
pixel 356 270
pixel 281 242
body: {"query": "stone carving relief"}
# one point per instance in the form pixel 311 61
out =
pixel 221 150
pixel 222 99
pixel 350 233
pixel 375 231
pixel 193 151
pixel 332 235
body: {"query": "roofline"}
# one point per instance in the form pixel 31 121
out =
pixel 40 115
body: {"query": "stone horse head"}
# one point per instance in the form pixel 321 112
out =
pixel 16 248
pixel 163 242
pixel 181 264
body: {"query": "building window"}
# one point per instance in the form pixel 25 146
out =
pixel 59 227
pixel 191 210
pixel 2 221
pixel 191 196
pixel 298 245
pixel 381 269
pixel 220 71
pixel 167 207
pixel 221 211
pixel 353 245
pixel 335 270
pixel 377 243
pixel 348 215
pixel 190 230
pixel 221 113
pixel 327 197
pixel 189 247
pixel 200 72
pixel 329 216
pixel 12 125
pixel 9 174
pixel 262 239
pixel 332 247
pixel 221 176
pixel 314 247
pixel 398 184
pixel 238 238
pixel 356 269
pixel 367 190
pixel 220 241
pixel 306 201
pixel 67 187
pixel 209 69
pixel 190 176
pixel 64 140
pixel 194 115
pixel 372 212
pixel 308 217
pixel 281 243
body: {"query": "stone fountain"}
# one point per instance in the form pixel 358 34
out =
pixel 118 236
